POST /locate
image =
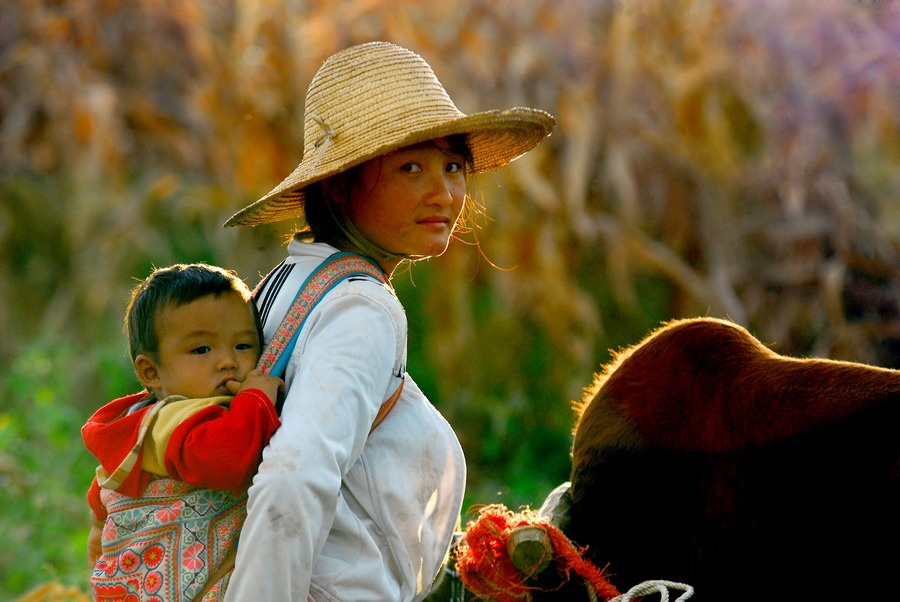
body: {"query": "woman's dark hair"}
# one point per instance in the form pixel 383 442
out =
pixel 326 220
pixel 322 223
pixel 172 287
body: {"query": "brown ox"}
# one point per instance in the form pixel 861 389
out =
pixel 702 456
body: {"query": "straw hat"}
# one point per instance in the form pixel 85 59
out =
pixel 374 98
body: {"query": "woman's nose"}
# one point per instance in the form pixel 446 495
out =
pixel 442 189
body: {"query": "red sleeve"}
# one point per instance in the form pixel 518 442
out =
pixel 93 498
pixel 221 447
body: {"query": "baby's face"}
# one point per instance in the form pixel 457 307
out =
pixel 204 344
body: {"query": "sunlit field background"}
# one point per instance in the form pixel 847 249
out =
pixel 727 158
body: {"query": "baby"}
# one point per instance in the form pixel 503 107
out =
pixel 176 458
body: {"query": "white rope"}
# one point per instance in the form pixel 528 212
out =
pixel 656 587
pixel 322 143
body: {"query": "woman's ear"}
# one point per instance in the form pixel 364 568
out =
pixel 147 372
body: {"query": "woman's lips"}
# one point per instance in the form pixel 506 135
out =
pixel 436 222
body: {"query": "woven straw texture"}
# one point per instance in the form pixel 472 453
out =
pixel 377 97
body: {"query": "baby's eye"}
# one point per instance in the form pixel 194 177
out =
pixel 203 349
pixel 454 167
pixel 244 346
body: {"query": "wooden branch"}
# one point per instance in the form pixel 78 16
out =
pixel 640 247
pixel 529 550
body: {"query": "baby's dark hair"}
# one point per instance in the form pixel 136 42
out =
pixel 175 285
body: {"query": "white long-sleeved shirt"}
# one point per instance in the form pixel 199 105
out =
pixel 336 512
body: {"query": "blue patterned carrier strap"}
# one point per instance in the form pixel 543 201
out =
pixel 333 270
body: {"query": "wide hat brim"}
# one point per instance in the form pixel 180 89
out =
pixel 375 98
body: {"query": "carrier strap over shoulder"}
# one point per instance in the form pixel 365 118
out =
pixel 333 270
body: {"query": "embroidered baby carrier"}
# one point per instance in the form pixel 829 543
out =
pixel 177 542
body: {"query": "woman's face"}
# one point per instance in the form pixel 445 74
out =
pixel 409 200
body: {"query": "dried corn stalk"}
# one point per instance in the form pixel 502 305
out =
pixel 744 153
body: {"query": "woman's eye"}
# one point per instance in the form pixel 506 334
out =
pixel 412 167
pixel 454 167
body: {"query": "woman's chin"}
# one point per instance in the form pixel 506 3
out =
pixel 430 248
pixel 437 250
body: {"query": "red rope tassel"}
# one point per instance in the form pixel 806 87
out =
pixel 485 568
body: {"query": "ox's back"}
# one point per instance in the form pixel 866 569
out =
pixel 702 456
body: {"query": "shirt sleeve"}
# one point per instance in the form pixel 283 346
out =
pixel 337 379
pixel 220 447
pixel 98 510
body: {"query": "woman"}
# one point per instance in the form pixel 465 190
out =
pixel 340 510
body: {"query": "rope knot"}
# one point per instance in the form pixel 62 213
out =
pixel 322 143
pixel 327 133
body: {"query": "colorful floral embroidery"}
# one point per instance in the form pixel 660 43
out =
pixel 108 565
pixel 114 593
pixel 129 561
pixel 167 544
pixel 152 582
pixel 169 513
pixel 190 558
pixel 153 556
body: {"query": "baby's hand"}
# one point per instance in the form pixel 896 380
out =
pixel 270 385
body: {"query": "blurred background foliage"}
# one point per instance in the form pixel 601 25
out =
pixel 729 158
